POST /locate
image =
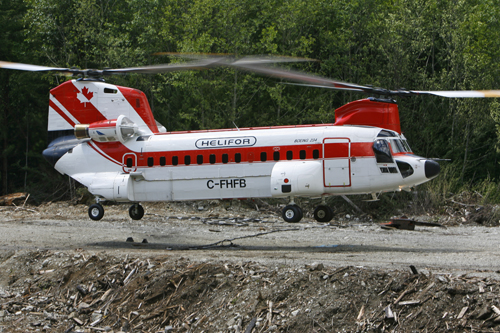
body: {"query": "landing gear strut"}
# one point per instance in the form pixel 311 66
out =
pixel 136 211
pixel 293 213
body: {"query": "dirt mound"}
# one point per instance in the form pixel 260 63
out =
pixel 79 291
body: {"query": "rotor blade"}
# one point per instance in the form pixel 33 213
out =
pixel 164 68
pixel 313 80
pixel 460 93
pixel 33 68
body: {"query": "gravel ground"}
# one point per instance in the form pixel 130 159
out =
pixel 216 268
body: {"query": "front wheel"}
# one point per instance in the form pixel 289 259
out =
pixel 136 212
pixel 96 212
pixel 292 214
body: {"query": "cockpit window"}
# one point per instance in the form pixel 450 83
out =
pixel 386 133
pixel 405 169
pixel 397 146
pixel 400 146
pixel 382 151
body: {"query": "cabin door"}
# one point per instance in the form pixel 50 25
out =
pixel 336 162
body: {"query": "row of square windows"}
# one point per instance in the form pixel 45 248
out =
pixel 212 159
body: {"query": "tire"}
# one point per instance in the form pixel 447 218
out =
pixel 96 212
pixel 136 212
pixel 292 214
pixel 323 213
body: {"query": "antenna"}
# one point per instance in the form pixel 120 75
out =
pixel 236 126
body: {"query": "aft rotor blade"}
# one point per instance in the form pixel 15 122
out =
pixel 208 62
pixel 308 79
pixel 32 68
pixel 164 68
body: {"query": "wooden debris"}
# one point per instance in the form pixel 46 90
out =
pixel 8 199
pixel 496 310
pixel 462 312
pixel 361 313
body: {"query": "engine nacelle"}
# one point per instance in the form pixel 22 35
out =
pixel 297 178
pixel 121 129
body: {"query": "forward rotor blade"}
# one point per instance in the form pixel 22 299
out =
pixel 460 93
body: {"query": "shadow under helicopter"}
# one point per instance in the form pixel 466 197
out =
pixel 234 246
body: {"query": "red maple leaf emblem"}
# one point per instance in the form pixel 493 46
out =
pixel 88 94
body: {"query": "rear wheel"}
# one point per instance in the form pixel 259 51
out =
pixel 323 213
pixel 292 214
pixel 96 212
pixel 136 212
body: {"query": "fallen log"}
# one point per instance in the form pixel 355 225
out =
pixel 8 199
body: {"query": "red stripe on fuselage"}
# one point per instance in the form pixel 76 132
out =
pixel 115 152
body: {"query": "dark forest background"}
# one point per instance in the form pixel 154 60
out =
pixel 415 44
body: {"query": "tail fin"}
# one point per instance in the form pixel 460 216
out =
pixel 88 101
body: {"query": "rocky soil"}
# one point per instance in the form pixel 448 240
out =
pixel 142 288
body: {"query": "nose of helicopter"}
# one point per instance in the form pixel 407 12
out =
pixel 432 169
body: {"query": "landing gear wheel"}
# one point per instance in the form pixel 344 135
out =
pixel 96 212
pixel 292 214
pixel 323 213
pixel 136 212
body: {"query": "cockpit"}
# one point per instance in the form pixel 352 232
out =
pixel 386 145
pixel 398 142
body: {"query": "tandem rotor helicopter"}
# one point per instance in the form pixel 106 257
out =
pixel 106 138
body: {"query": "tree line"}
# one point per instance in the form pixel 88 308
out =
pixel 418 45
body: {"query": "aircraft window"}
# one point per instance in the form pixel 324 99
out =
pixel 393 170
pixel 175 160
pixel 384 170
pixel 382 151
pixel 199 159
pixel 263 156
pixel 289 155
pixel 385 134
pixel 151 161
pixel 110 91
pixel 129 162
pixel 212 158
pixel 163 161
pixel 315 154
pixel 397 146
pixel 405 169
pixel 225 158
pixel 187 159
pixel 237 157
pixel 406 145
pixel 276 155
pixel 302 154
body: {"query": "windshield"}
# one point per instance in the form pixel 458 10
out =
pixel 400 146
pixel 398 141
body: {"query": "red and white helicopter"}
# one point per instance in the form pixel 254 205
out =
pixel 108 140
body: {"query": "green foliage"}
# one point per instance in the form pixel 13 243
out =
pixel 420 45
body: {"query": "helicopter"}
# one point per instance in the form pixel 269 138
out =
pixel 106 138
